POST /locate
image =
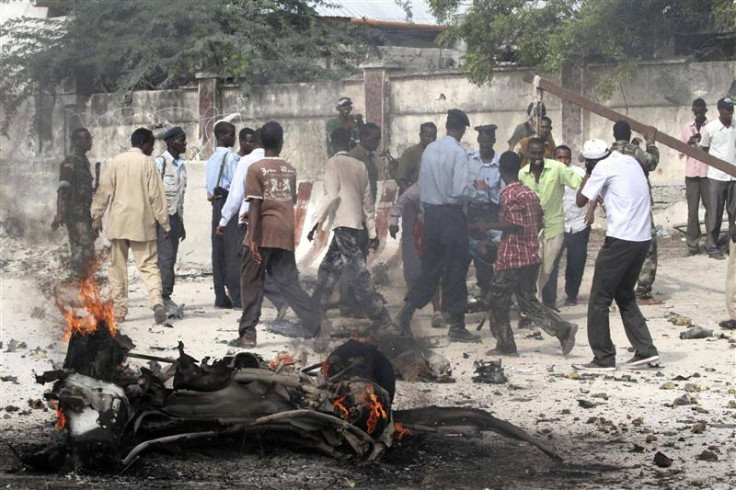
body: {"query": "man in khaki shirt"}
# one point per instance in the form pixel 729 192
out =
pixel 133 195
pixel 347 210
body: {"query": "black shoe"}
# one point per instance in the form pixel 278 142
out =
pixel 569 341
pixel 728 324
pixel 691 251
pixel 462 334
pixel 570 301
pixel 717 255
pixel 594 367
pixel 159 313
pixel 225 303
pixel 404 318
pixel 638 360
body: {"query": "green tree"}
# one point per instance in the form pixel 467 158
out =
pixel 548 35
pixel 113 45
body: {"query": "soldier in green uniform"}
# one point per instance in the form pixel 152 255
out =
pixel 649 160
pixel 346 120
pixel 74 198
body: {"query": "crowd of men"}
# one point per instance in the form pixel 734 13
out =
pixel 511 214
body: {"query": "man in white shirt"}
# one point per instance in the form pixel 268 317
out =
pixel 621 181
pixel 577 233
pixel 173 171
pixel 719 139
pixel 236 204
pixel 346 205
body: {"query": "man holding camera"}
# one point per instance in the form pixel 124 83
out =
pixel 620 179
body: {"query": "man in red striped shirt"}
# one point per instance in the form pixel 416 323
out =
pixel 518 263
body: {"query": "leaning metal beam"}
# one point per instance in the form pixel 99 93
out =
pixel 665 139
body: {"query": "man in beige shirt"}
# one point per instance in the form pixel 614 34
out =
pixel 347 209
pixel 133 195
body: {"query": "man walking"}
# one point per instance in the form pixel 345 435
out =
pixel 518 263
pixel 621 181
pixel 347 209
pixel 548 179
pixel 73 201
pixel 236 205
pixel 577 233
pixel 270 188
pixel 173 171
pixel 648 160
pixel 443 177
pixel 226 247
pixel 696 176
pixel 132 193
pixel 719 139
pixel 369 140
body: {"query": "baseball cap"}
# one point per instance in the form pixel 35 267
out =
pixel 725 102
pixel 344 101
pixel 173 133
pixel 458 116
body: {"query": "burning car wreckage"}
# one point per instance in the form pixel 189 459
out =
pixel 110 413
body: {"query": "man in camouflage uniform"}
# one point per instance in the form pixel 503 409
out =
pixel 649 160
pixel 74 197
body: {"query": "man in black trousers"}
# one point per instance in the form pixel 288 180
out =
pixel 621 181
pixel 443 178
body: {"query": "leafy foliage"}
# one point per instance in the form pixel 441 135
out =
pixel 548 35
pixel 113 45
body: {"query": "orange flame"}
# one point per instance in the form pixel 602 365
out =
pixel 377 411
pixel 400 431
pixel 60 417
pixel 281 359
pixel 343 410
pixel 95 308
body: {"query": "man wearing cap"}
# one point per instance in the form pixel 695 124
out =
pixel 484 189
pixel 443 178
pixel 534 110
pixel 173 171
pixel 73 201
pixel 545 134
pixel 344 120
pixel 719 139
pixel 548 179
pixel 696 176
pixel 648 160
pixel 623 185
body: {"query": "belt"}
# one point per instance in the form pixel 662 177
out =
pixel 436 206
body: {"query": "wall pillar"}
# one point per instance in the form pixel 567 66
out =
pixel 377 87
pixel 572 115
pixel 209 109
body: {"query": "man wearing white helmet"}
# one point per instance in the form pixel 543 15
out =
pixel 621 181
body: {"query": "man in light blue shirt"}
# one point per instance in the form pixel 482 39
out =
pixel 443 177
pixel 226 248
pixel 484 191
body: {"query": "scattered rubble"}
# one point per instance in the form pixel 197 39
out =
pixel 489 372
pixel 661 460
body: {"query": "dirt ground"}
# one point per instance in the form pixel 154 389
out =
pixel 607 428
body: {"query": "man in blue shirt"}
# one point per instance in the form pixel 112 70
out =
pixel 226 248
pixel 484 190
pixel 443 177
